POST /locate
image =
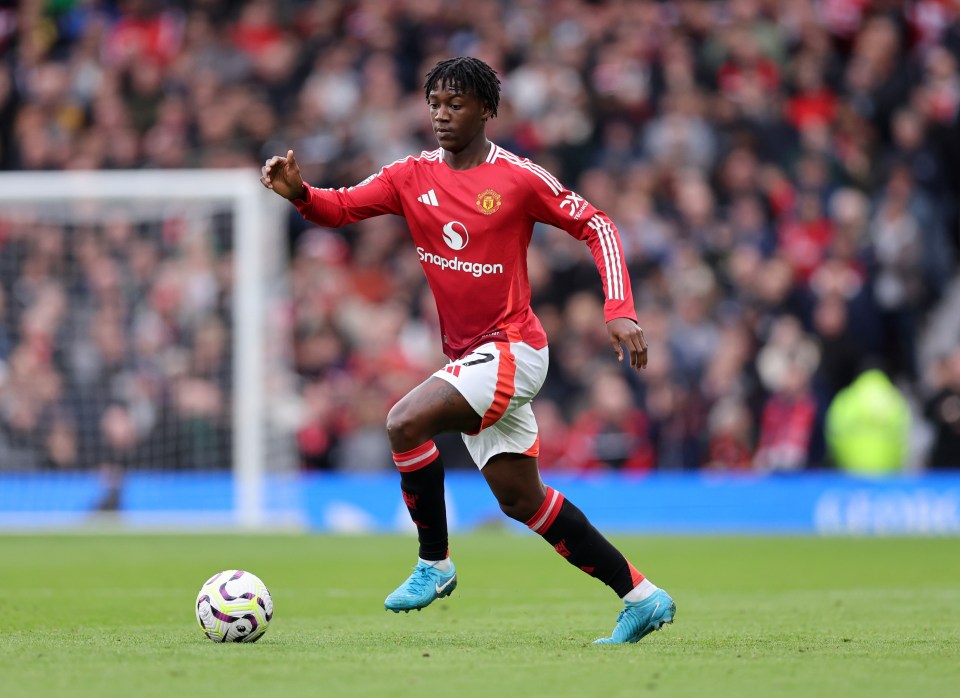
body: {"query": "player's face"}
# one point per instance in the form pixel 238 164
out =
pixel 457 117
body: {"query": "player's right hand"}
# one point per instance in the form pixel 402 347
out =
pixel 282 174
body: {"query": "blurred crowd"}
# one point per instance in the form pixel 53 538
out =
pixel 115 343
pixel 784 175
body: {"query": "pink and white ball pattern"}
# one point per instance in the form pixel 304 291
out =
pixel 234 606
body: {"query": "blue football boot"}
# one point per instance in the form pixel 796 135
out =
pixel 639 619
pixel 422 588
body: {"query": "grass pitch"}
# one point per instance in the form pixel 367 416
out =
pixel 112 615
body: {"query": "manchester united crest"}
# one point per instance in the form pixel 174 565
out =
pixel 488 201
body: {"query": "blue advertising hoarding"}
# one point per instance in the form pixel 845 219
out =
pixel 807 504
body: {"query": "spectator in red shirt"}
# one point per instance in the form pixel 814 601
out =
pixel 813 101
pixel 612 433
pixel 786 364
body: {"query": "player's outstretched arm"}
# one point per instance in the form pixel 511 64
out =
pixel 331 208
pixel 628 333
pixel 282 174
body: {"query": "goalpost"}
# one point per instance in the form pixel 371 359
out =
pixel 105 252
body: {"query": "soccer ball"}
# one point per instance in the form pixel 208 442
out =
pixel 234 606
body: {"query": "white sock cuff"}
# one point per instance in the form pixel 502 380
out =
pixel 642 591
pixel 442 565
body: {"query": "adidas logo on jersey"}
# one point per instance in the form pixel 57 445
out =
pixel 430 198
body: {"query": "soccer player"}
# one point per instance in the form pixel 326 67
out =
pixel 471 207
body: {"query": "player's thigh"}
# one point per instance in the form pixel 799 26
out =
pixel 433 407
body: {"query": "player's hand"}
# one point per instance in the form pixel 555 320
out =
pixel 282 174
pixel 628 333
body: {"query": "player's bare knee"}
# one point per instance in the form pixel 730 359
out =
pixel 517 507
pixel 403 429
pixel 398 428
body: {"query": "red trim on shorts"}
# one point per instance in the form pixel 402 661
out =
pixel 534 450
pixel 416 458
pixel 547 513
pixel 505 390
pixel 637 577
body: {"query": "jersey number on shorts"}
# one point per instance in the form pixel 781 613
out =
pixel 485 357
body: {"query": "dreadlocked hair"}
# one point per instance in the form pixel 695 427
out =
pixel 467 75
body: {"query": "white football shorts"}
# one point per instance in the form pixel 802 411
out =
pixel 498 380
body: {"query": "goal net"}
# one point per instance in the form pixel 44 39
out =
pixel 144 355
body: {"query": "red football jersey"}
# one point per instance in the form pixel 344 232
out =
pixel 472 229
